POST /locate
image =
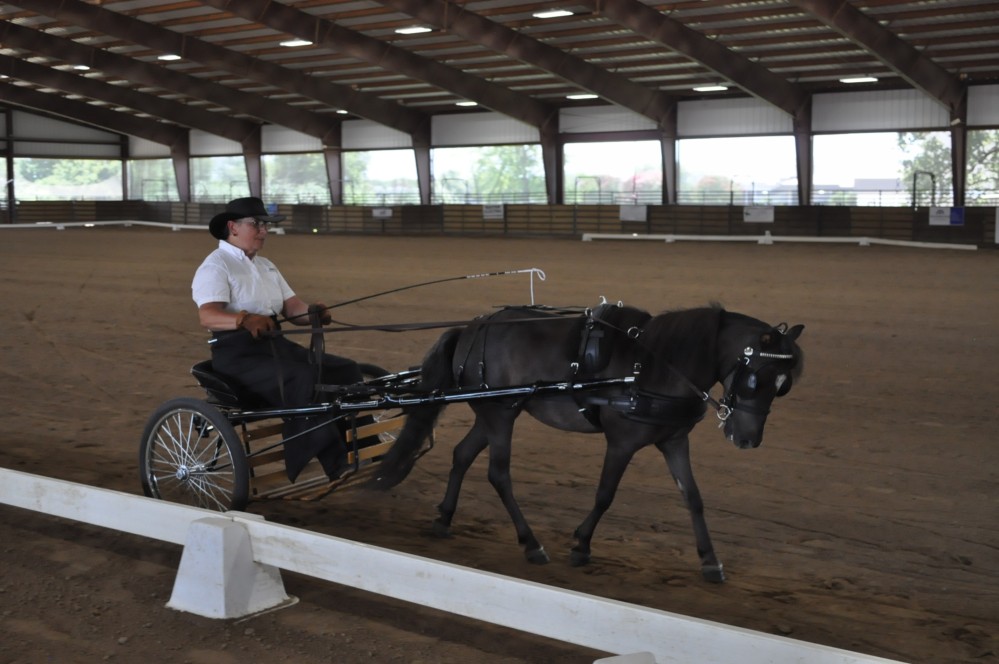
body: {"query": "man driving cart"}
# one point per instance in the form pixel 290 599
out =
pixel 242 300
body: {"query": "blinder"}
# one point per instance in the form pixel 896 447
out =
pixel 748 380
pixel 750 385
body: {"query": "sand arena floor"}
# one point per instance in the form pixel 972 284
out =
pixel 866 521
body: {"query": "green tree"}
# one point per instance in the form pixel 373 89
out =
pixel 926 169
pixel 929 152
pixel 509 172
pixel 34 170
pixel 356 188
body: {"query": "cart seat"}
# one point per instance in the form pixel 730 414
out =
pixel 224 389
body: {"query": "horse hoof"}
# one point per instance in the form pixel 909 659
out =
pixel 713 573
pixel 537 556
pixel 578 558
pixel 441 529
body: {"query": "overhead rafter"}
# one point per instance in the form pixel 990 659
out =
pixel 154 37
pixel 68 50
pixel 649 102
pixel 752 77
pixel 328 34
pixel 918 70
pixel 121 123
pixel 233 129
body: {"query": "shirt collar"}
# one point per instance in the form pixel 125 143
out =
pixel 233 250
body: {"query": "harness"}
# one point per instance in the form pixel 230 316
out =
pixel 662 409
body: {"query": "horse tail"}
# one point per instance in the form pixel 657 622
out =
pixel 435 375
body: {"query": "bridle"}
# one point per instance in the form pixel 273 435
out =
pixel 729 402
pixel 730 399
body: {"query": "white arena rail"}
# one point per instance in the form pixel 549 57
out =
pixel 63 225
pixel 231 565
pixel 767 238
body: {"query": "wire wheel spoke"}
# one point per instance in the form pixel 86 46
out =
pixel 187 457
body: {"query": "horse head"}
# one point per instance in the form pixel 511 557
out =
pixel 766 365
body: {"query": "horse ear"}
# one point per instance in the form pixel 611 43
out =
pixel 794 332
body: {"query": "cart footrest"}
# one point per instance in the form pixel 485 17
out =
pixel 269 479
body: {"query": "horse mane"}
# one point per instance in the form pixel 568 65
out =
pixel 676 337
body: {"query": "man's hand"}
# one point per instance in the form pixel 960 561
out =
pixel 256 324
pixel 325 317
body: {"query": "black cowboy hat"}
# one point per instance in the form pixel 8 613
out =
pixel 241 208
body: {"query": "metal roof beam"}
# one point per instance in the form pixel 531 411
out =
pixel 649 102
pixel 189 116
pixel 752 77
pixel 328 34
pixel 152 36
pixel 78 111
pixel 80 14
pixel 918 70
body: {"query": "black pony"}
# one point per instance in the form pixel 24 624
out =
pixel 673 360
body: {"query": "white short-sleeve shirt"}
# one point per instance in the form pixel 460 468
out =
pixel 228 275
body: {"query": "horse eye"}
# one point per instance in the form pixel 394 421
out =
pixel 751 381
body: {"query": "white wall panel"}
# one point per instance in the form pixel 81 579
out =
pixel 480 129
pixel 983 105
pixel 281 139
pixel 731 117
pixel 204 144
pixel 140 148
pixel 68 150
pixel 368 135
pixel 28 126
pixel 601 119
pixel 877 110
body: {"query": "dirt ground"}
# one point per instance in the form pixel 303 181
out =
pixel 866 521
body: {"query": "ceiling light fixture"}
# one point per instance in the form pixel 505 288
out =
pixel 169 57
pixel 466 103
pixel 859 79
pixel 553 13
pixel 293 43
pixel 81 67
pixel 341 111
pixel 711 88
pixel 413 30
pixel 586 95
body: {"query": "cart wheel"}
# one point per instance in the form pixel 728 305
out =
pixel 191 454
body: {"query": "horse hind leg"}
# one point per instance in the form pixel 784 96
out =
pixel 500 444
pixel 616 460
pixel 677 454
pixel 465 452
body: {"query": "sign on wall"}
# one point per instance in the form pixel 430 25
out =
pixel 633 212
pixel 493 212
pixel 758 214
pixel 946 216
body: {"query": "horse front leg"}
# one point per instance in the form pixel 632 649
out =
pixel 500 444
pixel 462 457
pixel 616 460
pixel 677 454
